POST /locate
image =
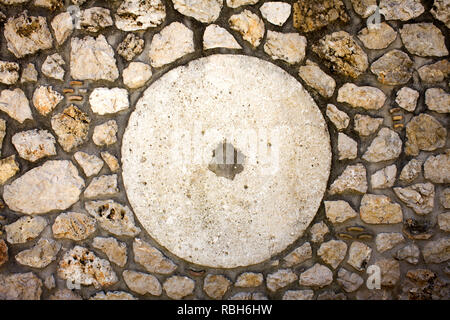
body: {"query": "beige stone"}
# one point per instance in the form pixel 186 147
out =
pixel 9 167
pixel 379 209
pixel 151 258
pixel 115 250
pixel 289 47
pixel 178 287
pixel 15 104
pixel 73 225
pixel 142 283
pixel 249 25
pixel 41 255
pixel 25 229
pixel 339 211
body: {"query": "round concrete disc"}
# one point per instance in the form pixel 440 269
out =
pixel 172 168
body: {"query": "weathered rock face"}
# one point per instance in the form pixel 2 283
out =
pixel 41 255
pixel 218 37
pixel 407 98
pixel 384 178
pixel 8 168
pixel 393 68
pixel 387 241
pixel 216 286
pixel 249 25
pixel 51 5
pixel 437 100
pixel 424 39
pixel 29 73
pixel 105 133
pixel 443 222
pixel 95 19
pixel 343 55
pixel 424 132
pixel 64 294
pixel 276 13
pixel 353 179
pixel 437 251
pixel 25 229
pixel 347 147
pixel 298 255
pixel 45 99
pixel 339 118
pixel 366 125
pixel 440 11
pixel 435 72
pixel 52 67
pixel 318 232
pixel 151 258
pixel 62 26
pixel 403 10
pixel 55 185
pixel 136 75
pixel 102 186
pixel 249 280
pixel 316 276
pixel 379 209
pixel 238 3
pixel 133 15
pixel 437 168
pixel 20 286
pixel 377 38
pixel 110 160
pixel 113 217
pixel 34 144
pixel 142 283
pixel 333 252
pixel 317 79
pixel 390 271
pixel 369 98
pixel 409 253
pixel 349 281
pixel 106 101
pixel 386 146
pixel 359 255
pixel 115 250
pixel 131 46
pixel 419 197
pixel 364 8
pixel 81 266
pixel 91 164
pixel 92 59
pixel 15 104
pixel 73 225
pixel 313 15
pixel 280 279
pixel 205 11
pixel 423 284
pixel 27 34
pixel 71 126
pixel 172 43
pixel 289 47
pixel 9 72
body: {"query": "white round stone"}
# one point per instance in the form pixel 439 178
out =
pixel 167 151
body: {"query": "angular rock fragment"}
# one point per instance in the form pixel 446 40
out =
pixel 387 241
pixel 81 266
pixel 311 15
pixel 317 79
pixel 172 43
pixel 333 252
pixel 390 271
pixel 29 74
pixel 92 59
pixel 91 164
pixel 349 281
pixel 133 15
pixel 107 101
pixel 444 221
pixel 403 10
pixel 445 198
pixel 74 226
pixel 178 287
pixel 8 168
pixel 353 179
pixel 338 117
pixel 249 25
pixel 15 104
pixel 289 47
pixel 27 34
pixel 377 38
pixel 437 100
pixel 249 280
pixel 45 99
pixel 95 19
pixel 364 8
pixel 342 54
pixel 407 98
pixel 106 133
pixel 55 185
pixel 102 186
pixel 339 211
pixel 41 255
pixel 409 253
pixel 111 161
pixel 437 251
pixel 298 255
pixel 62 25
pixel 440 11
pixel 238 3
pixel 393 68
pixel 379 209
pixel 316 276
pixel 115 250
pixel 20 286
pixel 216 286
pixel 359 255
pixel 9 72
pixel 366 125
pixel 151 258
pixel 130 47
pixel 318 232
pixel 435 72
pixel 368 98
pixel 218 37
pixel 386 146
pixel 298 295
pixel 142 283
pixel 206 11
pixel 136 75
pixel 71 126
pixel 347 147
pixel 33 145
pixel 419 197
pixel 276 13
pixel 437 168
pixel 425 133
pixel 52 67
pixel 280 279
pixel 113 217
pixel 423 39
pixel 25 229
pixel 64 294
pixel 384 178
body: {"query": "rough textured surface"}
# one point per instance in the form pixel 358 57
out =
pixel 249 25
pixel 25 229
pixel 57 180
pixel 209 229
pixel 205 11
pixel 310 15
pixel 41 255
pixel 20 286
pixel 73 225
pixel 423 39
pixel 424 132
